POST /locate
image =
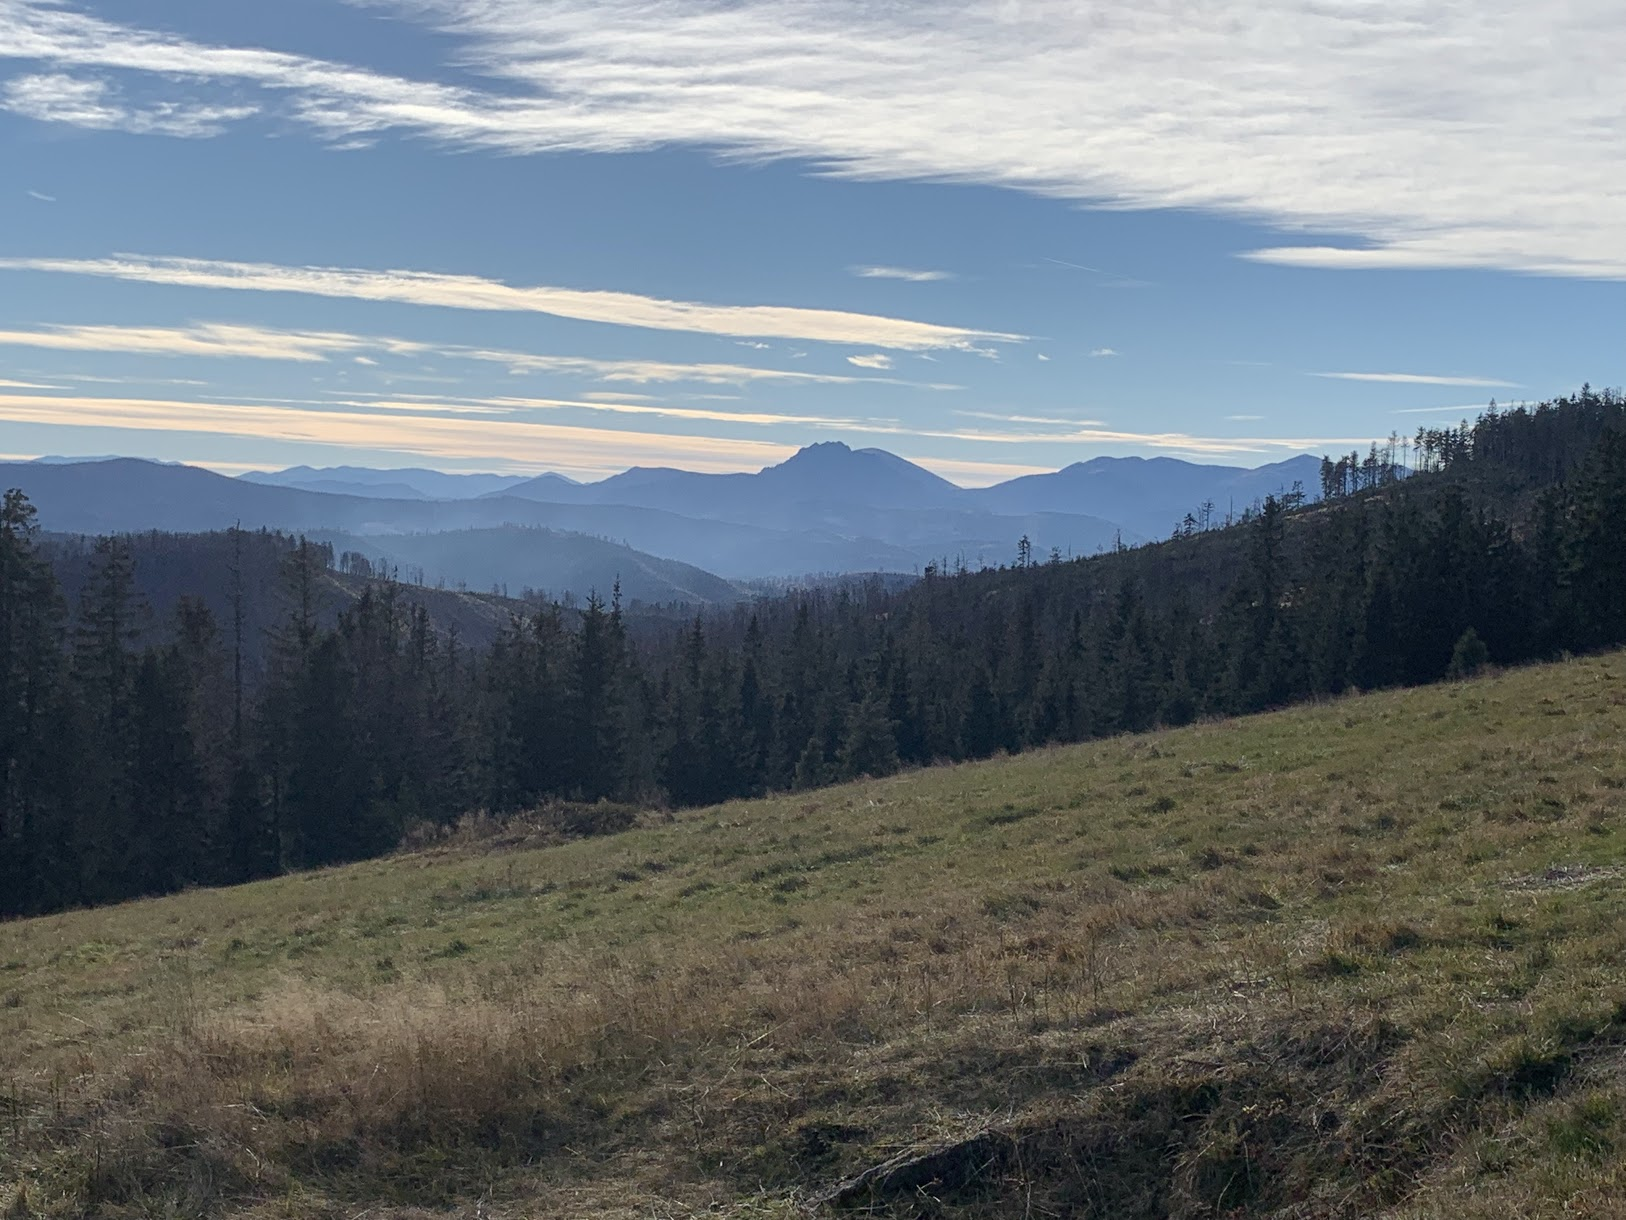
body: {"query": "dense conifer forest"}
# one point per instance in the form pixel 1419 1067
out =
pixel 130 766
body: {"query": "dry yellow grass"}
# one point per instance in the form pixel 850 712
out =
pixel 1359 958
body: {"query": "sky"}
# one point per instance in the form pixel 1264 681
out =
pixel 991 236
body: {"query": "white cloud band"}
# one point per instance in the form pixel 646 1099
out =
pixel 474 292
pixel 221 340
pixel 94 103
pixel 1445 134
pixel 902 273
pixel 1422 379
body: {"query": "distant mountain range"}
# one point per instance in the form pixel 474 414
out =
pixel 1150 496
pixel 671 535
pixel 869 491
pixel 409 484
pixel 824 476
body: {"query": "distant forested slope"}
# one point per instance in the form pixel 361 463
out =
pixel 246 568
pixel 521 560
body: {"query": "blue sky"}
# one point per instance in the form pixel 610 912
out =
pixel 991 237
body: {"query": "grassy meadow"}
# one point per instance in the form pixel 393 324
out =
pixel 1366 958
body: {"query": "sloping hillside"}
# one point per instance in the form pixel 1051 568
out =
pixel 168 567
pixel 1357 959
pixel 516 558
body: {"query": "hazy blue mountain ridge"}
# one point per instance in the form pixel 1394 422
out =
pixel 1148 496
pixel 402 484
pixel 828 509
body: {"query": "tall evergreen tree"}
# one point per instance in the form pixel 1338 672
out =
pixel 31 618
pixel 115 848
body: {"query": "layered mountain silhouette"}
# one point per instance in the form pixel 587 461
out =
pixel 409 484
pixel 671 535
pixel 895 514
pixel 1078 510
pixel 1150 495
pixel 824 476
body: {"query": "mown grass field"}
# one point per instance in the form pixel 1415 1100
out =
pixel 1365 958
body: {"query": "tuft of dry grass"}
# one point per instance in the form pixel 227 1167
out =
pixel 1364 958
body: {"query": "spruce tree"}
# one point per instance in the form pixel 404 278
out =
pixel 31 618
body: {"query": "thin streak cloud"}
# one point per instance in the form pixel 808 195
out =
pixel 1056 421
pixel 902 273
pixel 213 340
pixel 1421 379
pixel 757 418
pixel 477 293
pixel 222 340
pixel 510 444
pixel 1464 410
pixel 488 430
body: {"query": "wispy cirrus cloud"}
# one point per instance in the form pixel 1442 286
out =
pixel 492 442
pixel 901 273
pixel 1005 418
pixel 693 414
pixel 93 379
pixel 504 443
pixel 514 407
pixel 206 339
pixel 651 372
pixel 95 103
pixel 232 341
pixel 477 293
pixel 1465 409
pixel 1434 134
pixel 1421 379
pixel 1178 442
pixel 875 361
pixel 514 432
pixel 1103 353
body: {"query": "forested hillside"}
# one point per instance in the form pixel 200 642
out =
pixel 138 769
pixel 232 570
pixel 528 561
